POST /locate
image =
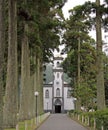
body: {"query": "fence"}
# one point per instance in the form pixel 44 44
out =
pixel 33 123
pixel 94 120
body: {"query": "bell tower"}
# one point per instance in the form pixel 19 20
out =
pixel 58 91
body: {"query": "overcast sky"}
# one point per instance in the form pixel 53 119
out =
pixel 72 3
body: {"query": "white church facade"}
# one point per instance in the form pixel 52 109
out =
pixel 57 93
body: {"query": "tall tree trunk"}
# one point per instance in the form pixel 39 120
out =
pixel 29 87
pixel 35 86
pixel 41 87
pixel 100 72
pixel 24 98
pixel 2 42
pixel 39 82
pixel 32 107
pixel 78 102
pixel 11 104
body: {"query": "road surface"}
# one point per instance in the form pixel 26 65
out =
pixel 60 122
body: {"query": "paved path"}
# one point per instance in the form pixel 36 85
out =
pixel 60 122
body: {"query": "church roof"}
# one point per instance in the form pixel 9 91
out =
pixel 48 74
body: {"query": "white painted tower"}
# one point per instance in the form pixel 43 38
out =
pixel 57 94
pixel 58 91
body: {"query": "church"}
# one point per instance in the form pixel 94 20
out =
pixel 56 89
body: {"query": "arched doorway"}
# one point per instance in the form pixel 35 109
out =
pixel 57 106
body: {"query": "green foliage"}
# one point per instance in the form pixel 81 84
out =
pixel 44 27
pixel 87 89
pixel 82 20
pixel 101 119
pixel 77 30
pixel 100 116
pixel 75 112
pixel 106 77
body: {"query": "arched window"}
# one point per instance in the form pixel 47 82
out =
pixel 57 92
pixel 57 75
pixel 57 82
pixel 47 94
pixel 58 64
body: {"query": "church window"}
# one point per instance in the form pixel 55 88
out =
pixel 57 92
pixel 47 94
pixel 58 64
pixel 57 75
pixel 57 82
pixel 68 93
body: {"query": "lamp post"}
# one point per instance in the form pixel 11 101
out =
pixel 47 106
pixel 36 94
pixel 75 99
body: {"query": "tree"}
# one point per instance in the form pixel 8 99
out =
pixel 37 16
pixel 11 103
pixel 106 77
pixel 24 18
pixel 24 112
pixel 75 37
pixel 88 73
pixel 2 43
pixel 100 71
pixel 84 12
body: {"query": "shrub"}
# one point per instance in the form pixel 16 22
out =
pixel 100 116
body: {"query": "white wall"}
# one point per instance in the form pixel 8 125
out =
pixel 47 101
pixel 55 64
pixel 68 102
pixel 60 82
